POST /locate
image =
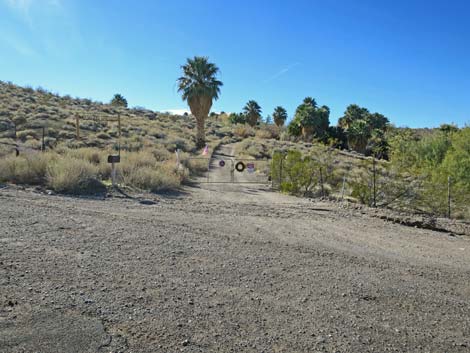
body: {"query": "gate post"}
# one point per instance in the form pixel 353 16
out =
pixel 232 171
pixel 208 168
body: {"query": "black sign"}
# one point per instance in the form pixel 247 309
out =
pixel 222 163
pixel 114 159
pixel 240 167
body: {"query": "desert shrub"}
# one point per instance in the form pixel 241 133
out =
pixel 299 173
pixel 268 132
pixel 103 136
pixel 174 143
pixel 310 175
pixel 6 150
pixel 52 132
pixel 66 135
pixel 142 170
pixel 29 168
pixel 134 144
pixel 243 131
pixel 32 143
pixel 74 176
pixel 153 179
pixel 157 134
pixel 161 154
pixel 196 167
pixel 90 126
pixel 50 141
pixel 92 155
pixel 6 125
pixel 24 134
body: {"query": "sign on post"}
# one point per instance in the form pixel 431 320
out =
pixel 250 167
pixel 113 159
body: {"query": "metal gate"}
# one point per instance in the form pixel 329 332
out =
pixel 226 169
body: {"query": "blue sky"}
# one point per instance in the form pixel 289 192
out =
pixel 409 60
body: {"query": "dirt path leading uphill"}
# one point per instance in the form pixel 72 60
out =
pixel 223 173
pixel 224 268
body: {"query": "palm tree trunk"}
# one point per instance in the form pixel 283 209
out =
pixel 200 133
pixel 307 132
pixel 200 107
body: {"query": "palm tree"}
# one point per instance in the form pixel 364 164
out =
pixel 310 101
pixel 279 116
pixel 358 135
pixel 119 101
pixel 252 111
pixel 199 87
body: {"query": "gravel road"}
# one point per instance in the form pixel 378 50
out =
pixel 224 268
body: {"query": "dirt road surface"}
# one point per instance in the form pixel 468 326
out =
pixel 224 268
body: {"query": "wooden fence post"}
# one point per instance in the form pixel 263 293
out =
pixel 449 196
pixel 343 187
pixel 43 145
pixel 321 183
pixel 77 126
pixel 374 170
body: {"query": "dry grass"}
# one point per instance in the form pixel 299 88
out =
pixel 243 131
pixel 74 176
pixel 142 170
pixel 29 169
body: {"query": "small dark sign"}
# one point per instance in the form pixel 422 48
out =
pixel 114 158
pixel 222 163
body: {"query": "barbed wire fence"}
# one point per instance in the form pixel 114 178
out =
pixel 19 145
pixel 370 182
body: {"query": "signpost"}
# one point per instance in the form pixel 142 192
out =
pixel 113 159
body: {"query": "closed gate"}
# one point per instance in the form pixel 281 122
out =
pixel 226 169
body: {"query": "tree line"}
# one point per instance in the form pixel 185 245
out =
pixel 358 129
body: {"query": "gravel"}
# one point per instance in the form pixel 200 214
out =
pixel 224 268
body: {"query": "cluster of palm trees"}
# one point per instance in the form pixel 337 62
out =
pixel 199 87
pixel 251 115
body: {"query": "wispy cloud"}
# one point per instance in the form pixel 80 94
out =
pixel 24 7
pixel 282 72
pixel 17 44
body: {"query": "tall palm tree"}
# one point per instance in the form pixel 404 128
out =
pixel 252 111
pixel 279 116
pixel 199 87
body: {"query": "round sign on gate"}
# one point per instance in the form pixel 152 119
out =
pixel 222 163
pixel 240 167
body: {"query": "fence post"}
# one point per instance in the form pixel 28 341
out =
pixel 208 168
pixel 280 171
pixel 77 126
pixel 374 202
pixel 342 188
pixel 449 196
pixel 119 133
pixel 43 146
pixel 232 170
pixel 177 152
pixel 321 183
